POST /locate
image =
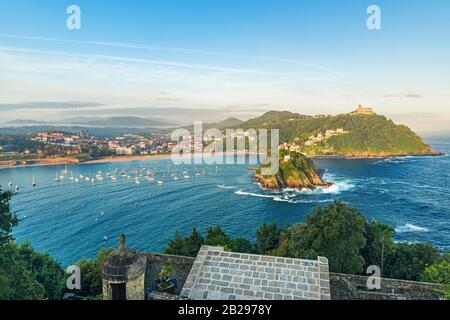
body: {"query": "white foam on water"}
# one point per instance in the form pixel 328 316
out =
pixel 222 186
pixel 243 193
pixel 409 227
pixel 336 188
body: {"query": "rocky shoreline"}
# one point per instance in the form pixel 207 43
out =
pixel 273 183
pixel 375 156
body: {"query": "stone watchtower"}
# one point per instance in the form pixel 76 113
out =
pixel 124 274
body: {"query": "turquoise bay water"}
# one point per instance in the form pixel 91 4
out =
pixel 71 220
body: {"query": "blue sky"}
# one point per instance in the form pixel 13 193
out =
pixel 220 58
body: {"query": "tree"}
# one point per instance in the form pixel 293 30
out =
pixel 408 261
pixel 176 246
pixel 267 237
pixel 215 236
pixel 21 283
pixel 379 237
pixel 91 275
pixel 7 220
pixel 336 231
pixel 241 245
pixel 439 273
pixel 24 273
pixel 47 271
pixel 193 243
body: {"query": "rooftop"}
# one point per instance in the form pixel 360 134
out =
pixel 220 275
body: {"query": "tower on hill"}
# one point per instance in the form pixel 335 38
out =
pixel 362 110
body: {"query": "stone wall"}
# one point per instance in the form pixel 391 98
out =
pixel 155 262
pixel 136 288
pixel 353 287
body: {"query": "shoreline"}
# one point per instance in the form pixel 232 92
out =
pixel 112 159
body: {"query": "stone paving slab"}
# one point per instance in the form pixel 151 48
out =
pixel 221 275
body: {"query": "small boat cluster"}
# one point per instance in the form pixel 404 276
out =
pixel 138 175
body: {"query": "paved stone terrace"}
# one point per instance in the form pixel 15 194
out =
pixel 220 275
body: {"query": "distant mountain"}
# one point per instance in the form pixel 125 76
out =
pixel 227 123
pixel 114 122
pixel 359 135
pixel 25 122
pixel 221 125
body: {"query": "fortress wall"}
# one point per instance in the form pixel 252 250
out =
pixel 347 287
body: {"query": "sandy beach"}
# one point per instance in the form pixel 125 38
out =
pixel 64 161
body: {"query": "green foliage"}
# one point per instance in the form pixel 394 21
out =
pixel 185 246
pixel 336 231
pixel 47 271
pixel 267 238
pixel 24 273
pixel 215 236
pixel 407 261
pixel 379 237
pixel 91 275
pixel 241 245
pixel 20 142
pixel 167 271
pixel 28 275
pixel 7 220
pixel 437 273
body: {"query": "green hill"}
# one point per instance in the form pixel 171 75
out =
pixel 362 136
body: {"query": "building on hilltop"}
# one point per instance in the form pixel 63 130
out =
pixel 363 111
pixel 216 274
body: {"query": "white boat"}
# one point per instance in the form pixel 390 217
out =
pixel 65 170
pixel 87 179
pixel 10 184
pixel 33 183
pixel 56 178
pixel 92 180
pixel 175 178
pixel 160 183
pixel 17 188
pixel 138 181
pixel 186 177
pixel 76 180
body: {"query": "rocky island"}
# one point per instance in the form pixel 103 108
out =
pixel 296 171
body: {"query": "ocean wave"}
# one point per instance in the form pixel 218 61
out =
pixel 243 193
pixel 409 227
pixel 336 188
pixel 289 198
pixel 222 186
